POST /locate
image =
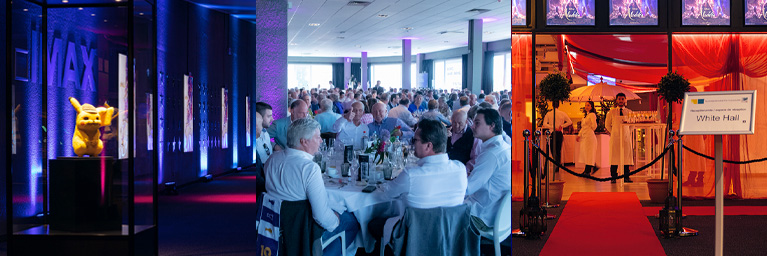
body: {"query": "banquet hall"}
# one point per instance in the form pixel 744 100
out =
pixel 692 186
pixel 253 127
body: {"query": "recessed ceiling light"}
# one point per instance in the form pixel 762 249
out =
pixel 407 28
pixel 488 32
pixel 445 41
pixel 314 24
pixel 383 15
pixel 80 9
pixel 293 44
pixel 26 10
pixel 141 13
pixel 340 37
pixel 358 46
pixel 65 1
pixel 105 20
pixel 93 14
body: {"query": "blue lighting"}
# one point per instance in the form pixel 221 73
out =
pixel 202 15
pixel 235 91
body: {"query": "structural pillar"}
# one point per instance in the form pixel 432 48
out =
pixel 347 72
pixel 419 58
pixel 474 69
pixel 364 70
pixel 406 62
pixel 272 55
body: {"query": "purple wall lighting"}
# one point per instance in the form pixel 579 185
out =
pixel 272 55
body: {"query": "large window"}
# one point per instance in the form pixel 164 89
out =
pixel 448 74
pixel 391 75
pixel 309 75
pixel 502 71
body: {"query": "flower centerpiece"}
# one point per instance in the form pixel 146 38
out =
pixel 379 147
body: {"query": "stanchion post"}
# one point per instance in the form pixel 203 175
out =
pixel 548 177
pixel 526 168
pixel 719 217
pixel 679 166
pixel 538 170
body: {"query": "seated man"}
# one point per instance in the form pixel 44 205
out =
pixel 436 182
pixel 350 128
pixel 381 122
pixel 491 179
pixel 279 129
pixel 402 113
pixel 327 118
pixel 418 103
pixel 434 113
pixel 292 175
pixel 461 145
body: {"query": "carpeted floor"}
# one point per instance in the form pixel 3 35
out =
pixel 602 223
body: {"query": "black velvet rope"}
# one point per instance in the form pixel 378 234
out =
pixel 603 179
pixel 726 161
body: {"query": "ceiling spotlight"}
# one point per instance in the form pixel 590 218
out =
pixel 26 10
pixel 383 15
pixel 105 20
pixel 293 44
pixel 80 9
pixel 358 46
pixel 340 37
pixel 445 41
pixel 93 14
pixel 65 1
pixel 407 28
pixel 314 24
pixel 488 32
pixel 141 13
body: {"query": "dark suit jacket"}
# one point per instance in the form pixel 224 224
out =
pixel 461 151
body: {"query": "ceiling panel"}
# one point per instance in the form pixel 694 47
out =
pixel 348 30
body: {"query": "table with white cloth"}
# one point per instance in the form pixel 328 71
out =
pixel 345 195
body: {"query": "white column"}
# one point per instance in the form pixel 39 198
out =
pixel 406 62
pixel 364 71
pixel 347 71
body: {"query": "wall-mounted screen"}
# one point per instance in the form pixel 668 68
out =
pixel 706 12
pixel 756 12
pixel 224 118
pixel 122 104
pixel 633 12
pixel 570 13
pixel 188 114
pixel 518 12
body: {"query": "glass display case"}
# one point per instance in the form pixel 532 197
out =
pixel 82 173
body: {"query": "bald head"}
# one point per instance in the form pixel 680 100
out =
pixel 298 110
pixel 379 112
pixel 458 120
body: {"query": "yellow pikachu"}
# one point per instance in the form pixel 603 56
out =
pixel 87 138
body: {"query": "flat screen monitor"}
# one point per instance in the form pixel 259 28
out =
pixel 705 12
pixel 633 12
pixel 756 12
pixel 570 13
pixel 518 12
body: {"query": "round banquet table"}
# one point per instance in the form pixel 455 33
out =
pixel 347 196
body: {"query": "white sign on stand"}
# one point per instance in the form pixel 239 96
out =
pixel 718 113
pixel 711 113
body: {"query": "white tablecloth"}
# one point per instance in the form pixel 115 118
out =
pixel 364 206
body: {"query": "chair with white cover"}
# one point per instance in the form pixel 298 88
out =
pixel 502 226
pixel 330 240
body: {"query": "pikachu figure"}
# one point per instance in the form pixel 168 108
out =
pixel 87 138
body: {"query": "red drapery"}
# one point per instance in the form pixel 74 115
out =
pixel 739 62
pixel 521 87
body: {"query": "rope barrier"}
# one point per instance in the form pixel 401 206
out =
pixel 726 161
pixel 603 179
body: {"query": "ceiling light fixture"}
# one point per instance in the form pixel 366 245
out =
pixel 314 24
pixel 80 9
pixel 383 15
pixel 293 44
pixel 407 28
pixel 93 15
pixel 65 1
pixel 26 10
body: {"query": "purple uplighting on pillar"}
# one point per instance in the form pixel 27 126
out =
pixel 272 55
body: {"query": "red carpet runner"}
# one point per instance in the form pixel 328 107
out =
pixel 602 223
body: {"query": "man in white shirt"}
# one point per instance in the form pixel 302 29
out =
pixel 402 113
pixel 292 175
pixel 557 125
pixel 350 128
pixel 327 118
pixel 491 178
pixel 437 181
pixel 620 138
pixel 263 141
